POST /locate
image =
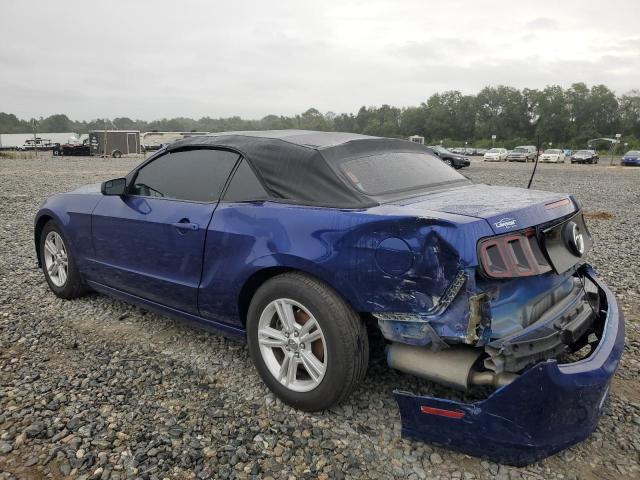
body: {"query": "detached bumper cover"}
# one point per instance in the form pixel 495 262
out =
pixel 547 409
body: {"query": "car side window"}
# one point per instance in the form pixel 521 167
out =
pixel 245 186
pixel 195 175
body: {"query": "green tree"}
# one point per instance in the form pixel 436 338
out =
pixel 413 120
pixel 503 111
pixel 550 114
pixel 629 113
pixel 56 123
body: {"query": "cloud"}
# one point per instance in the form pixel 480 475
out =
pixel 253 58
pixel 542 23
pixel 437 48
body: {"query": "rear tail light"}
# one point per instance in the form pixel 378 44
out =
pixel 513 255
pixel 440 412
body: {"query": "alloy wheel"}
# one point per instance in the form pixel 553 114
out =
pixel 55 259
pixel 292 345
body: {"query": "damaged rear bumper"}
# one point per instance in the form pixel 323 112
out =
pixel 548 408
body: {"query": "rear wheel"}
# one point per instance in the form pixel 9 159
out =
pixel 308 345
pixel 116 154
pixel 58 264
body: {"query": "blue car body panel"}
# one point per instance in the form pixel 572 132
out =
pixel 134 246
pixel 338 246
pixel 548 408
pixel 141 248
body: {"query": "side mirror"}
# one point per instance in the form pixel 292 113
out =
pixel 117 186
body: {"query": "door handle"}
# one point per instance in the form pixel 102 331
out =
pixel 185 224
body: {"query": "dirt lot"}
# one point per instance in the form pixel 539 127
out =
pixel 95 388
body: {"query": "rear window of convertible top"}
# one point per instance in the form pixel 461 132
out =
pixel 397 171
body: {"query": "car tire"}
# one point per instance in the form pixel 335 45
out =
pixel 56 258
pixel 116 154
pixel 340 351
pixel 448 161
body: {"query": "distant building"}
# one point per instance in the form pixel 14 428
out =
pixel 417 139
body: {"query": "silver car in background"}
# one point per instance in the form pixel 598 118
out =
pixel 496 155
pixel 522 153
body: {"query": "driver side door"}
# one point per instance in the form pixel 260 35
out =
pixel 150 241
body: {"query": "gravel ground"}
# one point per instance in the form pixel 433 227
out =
pixel 96 388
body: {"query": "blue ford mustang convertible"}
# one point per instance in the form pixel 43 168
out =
pixel 302 242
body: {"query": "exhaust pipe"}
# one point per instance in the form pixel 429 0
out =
pixel 492 379
pixel 452 367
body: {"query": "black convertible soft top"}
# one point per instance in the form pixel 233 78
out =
pixel 302 166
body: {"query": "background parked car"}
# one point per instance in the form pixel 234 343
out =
pixel 481 151
pixel 522 154
pixel 631 158
pixel 585 156
pixel 452 159
pixel 496 155
pixel 552 155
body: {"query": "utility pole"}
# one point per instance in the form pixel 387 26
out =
pixel 35 142
pixel 613 147
pixel 105 138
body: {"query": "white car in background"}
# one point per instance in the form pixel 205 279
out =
pixel 496 155
pixel 553 155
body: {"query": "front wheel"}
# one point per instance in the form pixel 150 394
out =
pixel 307 343
pixel 58 264
pixel 448 162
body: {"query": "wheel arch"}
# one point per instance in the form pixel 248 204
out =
pixel 259 277
pixel 41 221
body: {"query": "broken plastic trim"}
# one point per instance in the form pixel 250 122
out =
pixel 415 327
pixel 548 408
pixel 548 337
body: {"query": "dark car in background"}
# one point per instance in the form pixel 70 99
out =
pixel 452 159
pixel 585 156
pixel 70 149
pixel 631 158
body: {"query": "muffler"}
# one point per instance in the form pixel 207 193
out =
pixel 452 367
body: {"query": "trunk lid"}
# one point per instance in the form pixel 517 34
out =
pixel 506 209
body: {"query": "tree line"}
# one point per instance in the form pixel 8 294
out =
pixel 567 117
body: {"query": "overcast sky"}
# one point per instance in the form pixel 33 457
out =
pixel 160 58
